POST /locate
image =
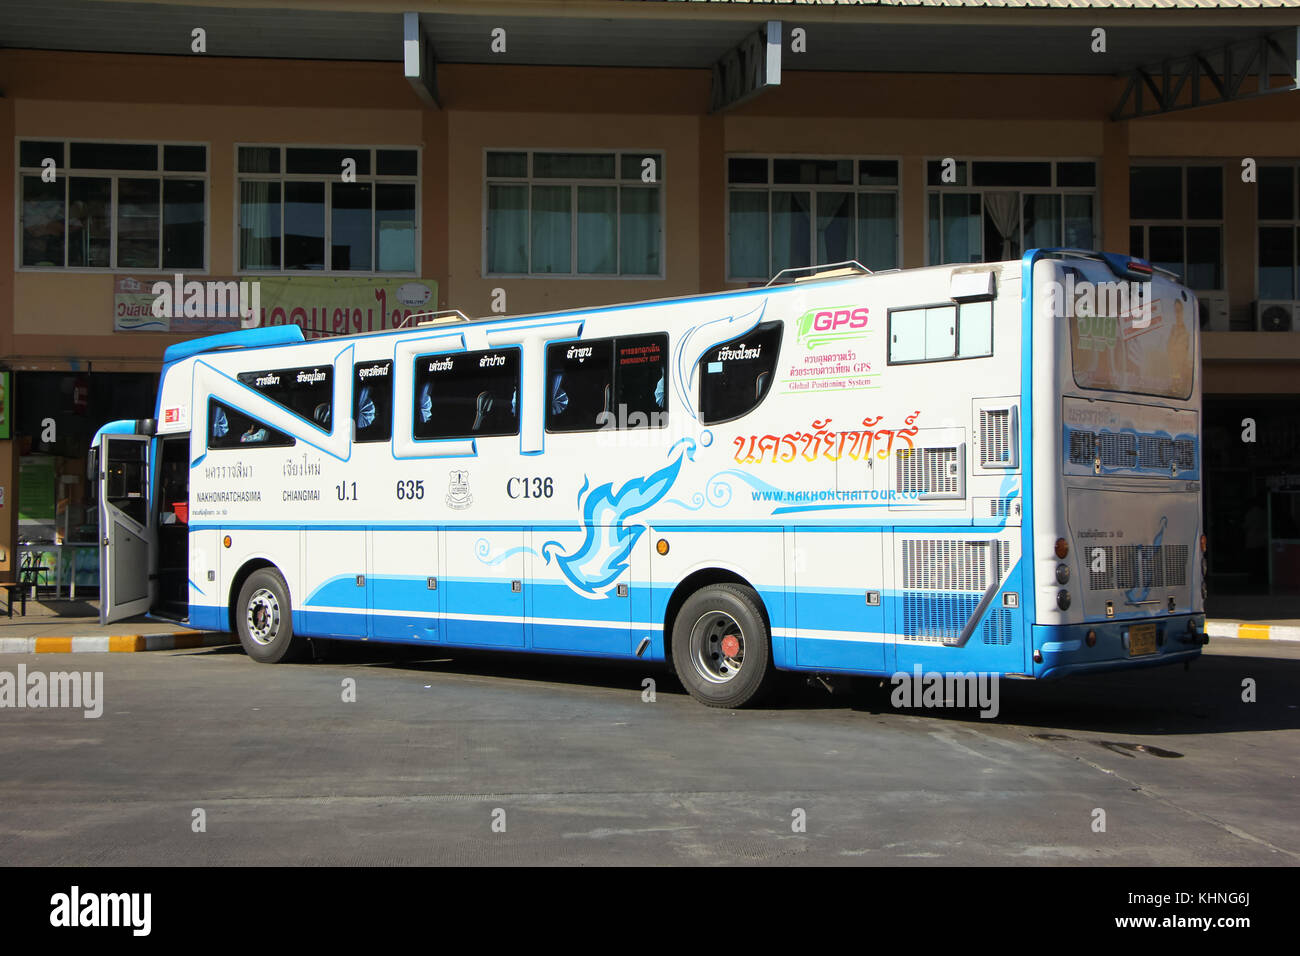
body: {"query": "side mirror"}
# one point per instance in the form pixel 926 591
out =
pixel 92 465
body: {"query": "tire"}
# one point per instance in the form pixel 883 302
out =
pixel 722 649
pixel 264 619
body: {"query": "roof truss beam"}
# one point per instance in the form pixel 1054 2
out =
pixel 1208 77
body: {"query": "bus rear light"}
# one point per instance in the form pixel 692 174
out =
pixel 1062 573
pixel 1038 657
pixel 1091 639
pixel 1062 548
pixel 1204 544
pixel 1063 599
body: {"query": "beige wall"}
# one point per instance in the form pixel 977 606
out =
pixel 50 318
pixel 469 134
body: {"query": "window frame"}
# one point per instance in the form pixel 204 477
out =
pixel 1185 222
pixel 65 175
pixel 947 303
pixel 1293 222
pixel 616 182
pixel 854 189
pixel 1054 189
pixel 283 176
pixel 391 381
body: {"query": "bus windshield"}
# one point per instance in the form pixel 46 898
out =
pixel 1145 350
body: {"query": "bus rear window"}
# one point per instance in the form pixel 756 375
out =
pixel 467 394
pixel 737 375
pixel 1128 353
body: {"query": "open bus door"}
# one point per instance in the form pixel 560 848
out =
pixel 126 547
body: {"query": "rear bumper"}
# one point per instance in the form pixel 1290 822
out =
pixel 1064 649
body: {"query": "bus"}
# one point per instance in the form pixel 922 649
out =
pixel 988 469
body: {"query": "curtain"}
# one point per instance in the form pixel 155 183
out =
pixel 507 229
pixel 747 234
pixel 1004 211
pixel 639 230
pixel 834 227
pixel 878 230
pixel 597 230
pixel 259 224
pixel 552 229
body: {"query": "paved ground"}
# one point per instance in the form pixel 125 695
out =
pixel 586 772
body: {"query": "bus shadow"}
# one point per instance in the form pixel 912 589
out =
pixel 1207 699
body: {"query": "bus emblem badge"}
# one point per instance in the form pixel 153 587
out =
pixel 458 496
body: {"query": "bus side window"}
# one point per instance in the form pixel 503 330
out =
pixel 737 375
pixel 467 394
pixel 229 428
pixel 307 392
pixel 607 383
pixel 641 381
pixel 939 332
pixel 579 384
pixel 372 401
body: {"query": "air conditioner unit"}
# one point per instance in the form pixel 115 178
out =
pixel 1277 315
pixel 1214 311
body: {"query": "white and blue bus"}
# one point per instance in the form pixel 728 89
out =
pixel 988 468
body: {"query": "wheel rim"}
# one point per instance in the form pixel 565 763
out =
pixel 263 617
pixel 717 647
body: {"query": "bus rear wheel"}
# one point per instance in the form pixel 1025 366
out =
pixel 722 648
pixel 264 619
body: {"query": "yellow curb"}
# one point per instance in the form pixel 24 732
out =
pixel 53 645
pixel 126 642
pixel 1258 632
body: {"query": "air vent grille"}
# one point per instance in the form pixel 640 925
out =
pixel 1136 566
pixel 996 449
pixel 930 472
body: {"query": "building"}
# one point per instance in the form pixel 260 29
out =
pixel 366 160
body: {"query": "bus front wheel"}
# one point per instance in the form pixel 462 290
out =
pixel 722 649
pixel 264 619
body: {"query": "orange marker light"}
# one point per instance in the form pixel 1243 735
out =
pixel 226 541
pixel 662 545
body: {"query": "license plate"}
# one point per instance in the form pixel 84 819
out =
pixel 1141 640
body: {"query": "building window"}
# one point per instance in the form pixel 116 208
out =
pixel 992 210
pixel 297 214
pixel 1176 221
pixel 1279 233
pixel 792 212
pixel 575 214
pixel 112 205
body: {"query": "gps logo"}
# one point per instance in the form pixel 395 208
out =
pixel 829 321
